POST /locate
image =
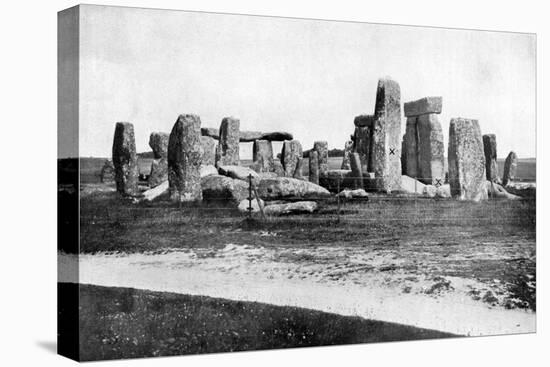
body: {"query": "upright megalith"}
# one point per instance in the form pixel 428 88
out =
pixel 321 147
pixel 184 159
pixel 510 167
pixel 314 167
pixel 262 155
pixel 356 171
pixel 423 150
pixel 466 157
pixel 362 139
pixel 208 145
pixel 490 149
pixel 159 167
pixel 227 153
pixel 125 159
pixel 385 152
pixel 291 157
pixel 348 150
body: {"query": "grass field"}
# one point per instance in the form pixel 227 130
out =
pixel 129 323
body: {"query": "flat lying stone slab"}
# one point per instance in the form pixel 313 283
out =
pixel 281 187
pixel 423 106
pixel 155 192
pixel 299 207
pixel 250 136
pixel 223 188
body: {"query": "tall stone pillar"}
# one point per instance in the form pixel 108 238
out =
pixel 321 147
pixel 262 155
pixel 510 168
pixel 490 149
pixel 125 159
pixel 291 156
pixel 227 153
pixel 159 167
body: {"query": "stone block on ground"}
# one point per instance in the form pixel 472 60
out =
pixel 156 192
pixel 208 170
pixel 245 204
pixel 239 173
pixel 223 189
pixel 336 180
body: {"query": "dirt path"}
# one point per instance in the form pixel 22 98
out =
pixel 343 280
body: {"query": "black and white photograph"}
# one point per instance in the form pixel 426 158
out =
pixel 232 182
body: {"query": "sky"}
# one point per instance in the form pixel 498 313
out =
pixel 307 77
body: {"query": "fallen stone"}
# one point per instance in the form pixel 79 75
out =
pixel 107 172
pixel 497 191
pixel 244 205
pixel 157 191
pixel 321 147
pixel 299 207
pixel 314 167
pixel 184 159
pixel 159 172
pixel 223 188
pixel 285 187
pixel 429 191
pixel 423 106
pixel 431 150
pixel 351 194
pixel 386 136
pixel 125 159
pixel 490 150
pixel 335 180
pixel 262 155
pixel 208 170
pixel 264 175
pixel 159 144
pixel 239 173
pixel 290 156
pixel 227 152
pixel 410 185
pixel 510 168
pixel 208 145
pixel 466 160
pixel 443 191
pixel 348 149
pixel 523 189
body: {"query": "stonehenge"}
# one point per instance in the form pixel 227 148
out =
pixel 262 156
pixel 321 147
pixel 348 150
pixel 184 159
pixel 291 157
pixel 490 149
pixel 423 150
pixel 510 167
pixel 466 158
pixel 356 171
pixel 159 167
pixel 208 145
pixel 250 136
pixel 227 152
pixel 125 159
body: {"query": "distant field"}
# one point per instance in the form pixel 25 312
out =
pixel 90 168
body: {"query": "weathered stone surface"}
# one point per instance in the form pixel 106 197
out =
pixel 264 175
pixel 250 136
pixel 159 172
pixel 281 187
pixel 321 147
pixel 208 170
pixel 362 145
pixel 423 106
pixel 223 188
pixel 299 207
pixel 510 168
pixel 278 168
pixel 239 173
pixel 429 191
pixel 159 144
pixel 490 149
pixel 410 148
pixel 298 172
pixel 125 159
pixel 431 150
pixel 410 185
pixel 443 191
pixel 356 171
pixel 245 204
pixel 314 167
pixel 184 159
pixel 466 160
pixel 348 149
pixel 291 154
pixel 364 121
pixel 262 155
pixel 523 189
pixel 351 194
pixel 386 136
pixel 494 190
pixel 156 192
pixel 227 152
pixel 335 180
pixel 208 145
pixel 107 172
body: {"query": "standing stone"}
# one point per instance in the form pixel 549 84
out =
pixel 159 167
pixel 314 167
pixel 125 159
pixel 290 155
pixel 321 147
pixel 184 159
pixel 386 136
pixel 510 167
pixel 410 148
pixel 107 172
pixel 262 155
pixel 227 153
pixel 362 139
pixel 298 171
pixel 348 149
pixel 431 150
pixel 490 149
pixel 356 170
pixel 208 145
pixel 466 160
